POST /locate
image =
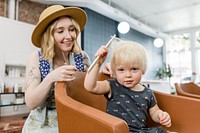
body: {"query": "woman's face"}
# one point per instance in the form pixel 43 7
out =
pixel 64 34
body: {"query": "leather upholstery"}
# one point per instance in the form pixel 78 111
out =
pixel 188 89
pixel 82 112
pixel 184 112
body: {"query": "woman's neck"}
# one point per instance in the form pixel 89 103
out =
pixel 61 59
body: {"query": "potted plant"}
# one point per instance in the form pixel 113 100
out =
pixel 164 72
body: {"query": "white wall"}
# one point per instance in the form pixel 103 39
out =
pixel 15 48
pixel 15 39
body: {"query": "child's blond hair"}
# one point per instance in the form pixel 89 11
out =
pixel 127 53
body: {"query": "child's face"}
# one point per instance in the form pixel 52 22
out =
pixel 128 76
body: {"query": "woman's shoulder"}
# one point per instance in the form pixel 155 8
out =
pixel 34 55
pixel 84 54
pixel 86 59
pixel 33 60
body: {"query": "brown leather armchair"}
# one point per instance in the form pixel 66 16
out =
pixel 82 112
pixel 188 89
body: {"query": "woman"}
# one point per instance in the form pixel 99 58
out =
pixel 59 57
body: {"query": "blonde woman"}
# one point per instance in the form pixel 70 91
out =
pixel 126 97
pixel 59 57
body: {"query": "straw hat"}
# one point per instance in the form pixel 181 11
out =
pixel 54 12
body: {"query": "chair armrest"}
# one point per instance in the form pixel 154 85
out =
pixel 184 112
pixel 74 116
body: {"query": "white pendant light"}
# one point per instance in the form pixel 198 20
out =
pixel 123 27
pixel 158 42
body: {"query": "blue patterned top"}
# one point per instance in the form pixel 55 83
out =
pixel 78 59
pixel 46 66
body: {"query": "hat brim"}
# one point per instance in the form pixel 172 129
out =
pixel 76 13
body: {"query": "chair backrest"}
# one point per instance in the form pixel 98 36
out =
pixel 191 88
pixel 82 112
pixel 77 91
pixel 187 89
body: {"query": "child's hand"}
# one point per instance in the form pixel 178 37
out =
pixel 102 53
pixel 164 119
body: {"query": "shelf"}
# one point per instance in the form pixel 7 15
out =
pixel 15 70
pixel 12 104
pixel 14 77
pixel 18 94
pixel 11 93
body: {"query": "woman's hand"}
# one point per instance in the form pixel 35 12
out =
pixel 107 69
pixel 63 73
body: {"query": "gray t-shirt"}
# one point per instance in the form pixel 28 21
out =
pixel 132 107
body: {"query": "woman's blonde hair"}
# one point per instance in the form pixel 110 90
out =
pixel 48 43
pixel 128 53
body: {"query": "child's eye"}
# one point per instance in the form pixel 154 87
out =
pixel 135 69
pixel 120 69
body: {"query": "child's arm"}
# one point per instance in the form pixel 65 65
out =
pixel 160 116
pixel 91 84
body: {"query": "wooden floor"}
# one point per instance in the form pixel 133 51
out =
pixel 12 124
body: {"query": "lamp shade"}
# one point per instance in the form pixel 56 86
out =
pixel 158 42
pixel 123 27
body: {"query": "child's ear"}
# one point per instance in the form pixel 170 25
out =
pixel 143 72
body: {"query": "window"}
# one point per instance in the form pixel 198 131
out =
pixel 179 57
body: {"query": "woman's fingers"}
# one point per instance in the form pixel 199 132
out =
pixel 68 72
